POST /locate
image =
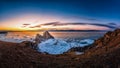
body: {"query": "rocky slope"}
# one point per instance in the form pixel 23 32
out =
pixel 104 53
pixel 108 42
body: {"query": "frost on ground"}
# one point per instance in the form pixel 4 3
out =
pixel 57 46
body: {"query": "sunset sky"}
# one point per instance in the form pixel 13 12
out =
pixel 59 14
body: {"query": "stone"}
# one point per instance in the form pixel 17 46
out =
pixel 47 35
pixel 39 38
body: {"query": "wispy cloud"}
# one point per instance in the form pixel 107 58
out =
pixel 26 24
pixel 37 26
pixel 110 25
pixel 59 25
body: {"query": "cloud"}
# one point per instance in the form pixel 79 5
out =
pixel 26 24
pixel 51 23
pixel 110 25
pixel 105 25
pixel 32 27
pixel 37 26
pixel 85 18
pixel 59 25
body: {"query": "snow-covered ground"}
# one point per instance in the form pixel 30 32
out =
pixel 57 46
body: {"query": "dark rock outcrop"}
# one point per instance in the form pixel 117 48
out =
pixel 78 49
pixel 38 38
pixel 46 36
pixel 29 44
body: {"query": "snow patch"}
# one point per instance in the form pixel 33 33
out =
pixel 57 46
pixel 53 46
pixel 79 53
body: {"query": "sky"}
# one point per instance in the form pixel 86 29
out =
pixel 59 14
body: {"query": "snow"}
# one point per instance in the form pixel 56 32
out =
pixel 58 46
pixel 79 53
pixel 53 46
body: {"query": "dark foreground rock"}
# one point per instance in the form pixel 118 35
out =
pixel 104 53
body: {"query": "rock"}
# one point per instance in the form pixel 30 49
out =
pixel 29 44
pixel 47 35
pixel 108 38
pixel 78 49
pixel 39 38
